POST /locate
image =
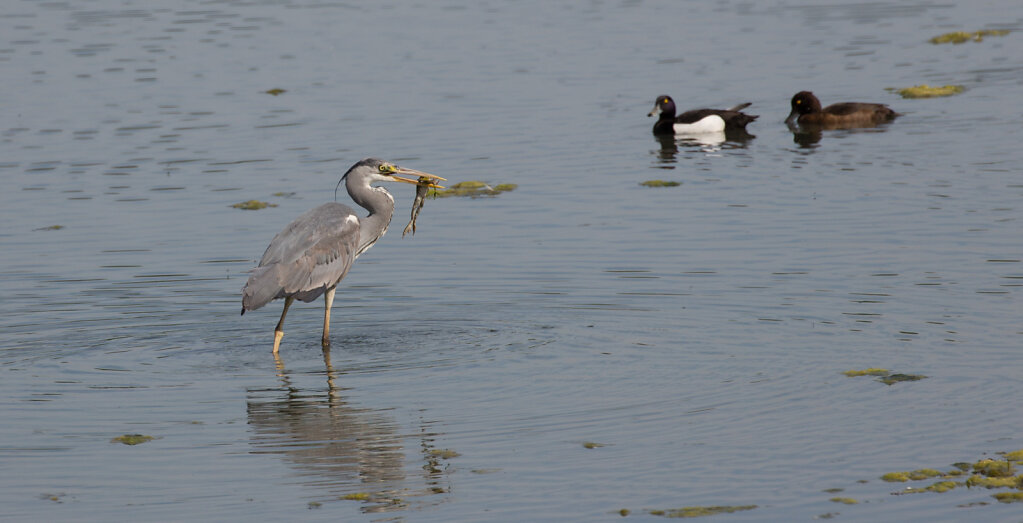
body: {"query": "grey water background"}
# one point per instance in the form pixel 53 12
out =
pixel 698 333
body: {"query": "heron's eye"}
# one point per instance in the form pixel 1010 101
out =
pixel 388 169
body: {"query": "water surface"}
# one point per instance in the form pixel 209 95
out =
pixel 694 336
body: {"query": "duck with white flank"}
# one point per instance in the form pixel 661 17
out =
pixel 698 121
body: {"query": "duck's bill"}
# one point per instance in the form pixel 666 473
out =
pixel 419 178
pixel 656 110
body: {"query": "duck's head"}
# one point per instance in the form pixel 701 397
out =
pixel 804 102
pixel 663 105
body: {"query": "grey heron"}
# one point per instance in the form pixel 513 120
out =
pixel 315 252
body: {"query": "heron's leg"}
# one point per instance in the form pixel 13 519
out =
pixel 279 329
pixel 328 301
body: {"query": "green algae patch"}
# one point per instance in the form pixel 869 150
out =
pixel 444 453
pixel 50 228
pixel 1016 455
pixel 696 512
pixel 253 205
pixel 472 189
pixel 939 487
pixel 1009 497
pixel 978 480
pixel 927 91
pixel 919 474
pixel 896 477
pixel 942 486
pixel 845 501
pixel 866 372
pixel 485 471
pixel 132 439
pixel 959 37
pixel 884 376
pixel 660 183
pixel 276 91
pixel 994 468
pixel 592 445
pixel 896 378
pixel 624 512
pixel 356 496
pixel 915 475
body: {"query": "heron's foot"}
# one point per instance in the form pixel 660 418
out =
pixel 277 340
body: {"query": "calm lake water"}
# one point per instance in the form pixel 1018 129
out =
pixel 576 347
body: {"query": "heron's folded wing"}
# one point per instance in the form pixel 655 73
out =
pixel 308 256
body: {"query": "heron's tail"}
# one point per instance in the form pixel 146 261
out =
pixel 263 286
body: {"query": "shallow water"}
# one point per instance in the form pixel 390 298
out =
pixel 696 333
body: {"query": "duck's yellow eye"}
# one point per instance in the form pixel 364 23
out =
pixel 664 101
pixel 798 102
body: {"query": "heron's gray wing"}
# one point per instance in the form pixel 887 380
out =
pixel 310 255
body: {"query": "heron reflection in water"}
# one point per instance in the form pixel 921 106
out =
pixel 337 448
pixel 315 252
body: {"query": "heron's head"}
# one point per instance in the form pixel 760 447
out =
pixel 377 170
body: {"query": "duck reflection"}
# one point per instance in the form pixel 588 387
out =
pixel 667 155
pixel 808 136
pixel 351 452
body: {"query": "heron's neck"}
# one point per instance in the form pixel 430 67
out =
pixel 380 205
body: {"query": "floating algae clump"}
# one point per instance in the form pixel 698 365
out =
pixel 942 486
pixel 592 445
pixel 958 37
pixel 1009 497
pixel 847 501
pixel 253 205
pixel 659 183
pixel 893 477
pixel 444 453
pixel 356 496
pixel 939 487
pixel 978 480
pixel 926 91
pixel 924 474
pixel 884 375
pixel 994 468
pixel 695 512
pixel 866 372
pixel 276 91
pixel 895 378
pixel 132 439
pixel 1016 455
pixel 915 475
pixel 472 189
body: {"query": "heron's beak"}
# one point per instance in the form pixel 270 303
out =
pixel 419 176
pixel 656 110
